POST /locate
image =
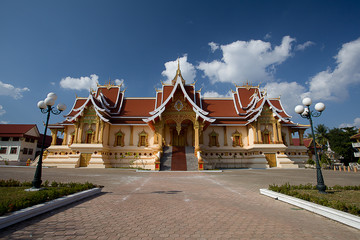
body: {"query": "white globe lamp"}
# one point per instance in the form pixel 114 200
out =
pixel 52 95
pixel 41 105
pixel 299 109
pixel 320 107
pixel 307 101
pixel 49 101
pixel 61 107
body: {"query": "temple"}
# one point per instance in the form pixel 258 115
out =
pixel 178 129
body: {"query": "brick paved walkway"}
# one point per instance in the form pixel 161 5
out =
pixel 180 205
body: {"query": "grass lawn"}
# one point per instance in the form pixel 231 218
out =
pixel 13 196
pixel 343 198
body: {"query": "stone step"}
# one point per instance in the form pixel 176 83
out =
pixel 191 160
pixel 165 161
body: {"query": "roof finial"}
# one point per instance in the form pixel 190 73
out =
pixel 178 70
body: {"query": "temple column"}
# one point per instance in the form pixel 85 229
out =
pixel 160 132
pixel 64 142
pixel 108 135
pixel 102 126
pixel 196 128
pixel 53 135
pixel 225 136
pixel 301 137
pixel 97 131
pixel 279 132
pixel 76 132
pixel 258 135
pixel 80 132
pixel 247 135
pixel 131 136
pixel 275 138
pixel 290 137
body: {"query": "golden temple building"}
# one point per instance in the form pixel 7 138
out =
pixel 178 129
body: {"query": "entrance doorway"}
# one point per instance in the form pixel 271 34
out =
pixel 85 159
pixel 271 159
pixel 178 139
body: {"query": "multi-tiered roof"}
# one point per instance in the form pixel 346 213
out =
pixel 242 108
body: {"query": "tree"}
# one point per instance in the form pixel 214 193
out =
pixel 321 134
pixel 340 142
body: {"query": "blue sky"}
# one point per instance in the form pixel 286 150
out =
pixel 291 48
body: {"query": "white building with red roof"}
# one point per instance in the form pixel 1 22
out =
pixel 18 143
pixel 107 129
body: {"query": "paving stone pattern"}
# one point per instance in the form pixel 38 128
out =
pixel 180 205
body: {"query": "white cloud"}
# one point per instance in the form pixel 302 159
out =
pixel 187 70
pixel 82 83
pixel 119 82
pixel 2 111
pixel 254 60
pixel 9 90
pixel 301 47
pixel 213 46
pixel 267 36
pixel 291 94
pixel 4 122
pixel 213 94
pixel 356 123
pixel 333 84
pixel 52 83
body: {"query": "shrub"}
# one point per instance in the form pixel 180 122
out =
pixel 310 161
pixel 56 190
pixel 291 190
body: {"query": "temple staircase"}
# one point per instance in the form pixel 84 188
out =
pixel 165 161
pixel 191 160
pixel 178 159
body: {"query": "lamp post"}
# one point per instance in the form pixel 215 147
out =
pixel 46 107
pixel 305 112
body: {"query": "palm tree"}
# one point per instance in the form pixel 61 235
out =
pixel 321 134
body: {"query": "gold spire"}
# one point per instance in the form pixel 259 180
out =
pixel 178 69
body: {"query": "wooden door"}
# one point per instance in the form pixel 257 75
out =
pixel 271 159
pixel 178 139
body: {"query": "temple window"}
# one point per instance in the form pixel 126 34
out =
pixel 119 139
pixel 237 139
pixel 143 139
pixel 266 136
pixel 213 139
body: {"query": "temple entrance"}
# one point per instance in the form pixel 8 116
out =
pixel 183 138
pixel 178 139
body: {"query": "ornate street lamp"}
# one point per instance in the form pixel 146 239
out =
pixel 46 107
pixel 307 113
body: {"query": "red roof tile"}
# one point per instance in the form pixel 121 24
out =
pixel 15 130
pixel 219 108
pixel 137 107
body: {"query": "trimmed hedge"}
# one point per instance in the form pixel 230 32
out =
pixel 291 190
pixel 51 192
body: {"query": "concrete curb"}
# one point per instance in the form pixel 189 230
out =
pixel 345 218
pixel 151 171
pixel 33 211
